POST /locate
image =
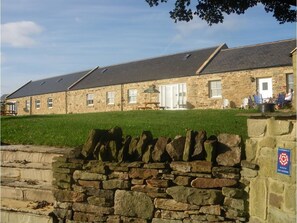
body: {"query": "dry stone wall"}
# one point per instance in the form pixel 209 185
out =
pixel 112 178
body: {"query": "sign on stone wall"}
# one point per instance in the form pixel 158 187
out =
pixel 283 161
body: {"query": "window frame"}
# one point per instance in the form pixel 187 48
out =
pixel 216 88
pixel 132 96
pixel 27 105
pixel 90 99
pixel 110 98
pixel 50 103
pixel 37 103
pixel 289 83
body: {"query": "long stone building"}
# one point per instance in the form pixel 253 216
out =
pixel 197 79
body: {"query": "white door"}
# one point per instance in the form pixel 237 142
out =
pixel 265 87
pixel 173 96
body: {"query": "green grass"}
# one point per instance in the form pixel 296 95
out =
pixel 72 130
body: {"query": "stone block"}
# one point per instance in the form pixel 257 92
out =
pixel 275 200
pixel 173 215
pixel 157 183
pixel 133 204
pixel 249 173
pixel 199 152
pixel 276 216
pixel 290 198
pixel 160 220
pixel 249 165
pixel 192 167
pixel 68 196
pixel 87 208
pixel 155 166
pixel 100 201
pixel 213 183
pixel 279 127
pixel 147 189
pixel 228 156
pixel 229 140
pixel 175 148
pixel 258 198
pixel 91 142
pixel 237 204
pixel 159 153
pixel 82 175
pixel 116 184
pixel 189 145
pixel 173 205
pixel 251 147
pixel 226 172
pixel 211 209
pixel 232 192
pixel 267 142
pixel 195 196
pixel 119 175
pixel 143 173
pixel 182 180
pixel 210 150
pixel 256 127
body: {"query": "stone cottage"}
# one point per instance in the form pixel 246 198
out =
pixel 190 80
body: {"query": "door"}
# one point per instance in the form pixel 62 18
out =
pixel 173 96
pixel 265 87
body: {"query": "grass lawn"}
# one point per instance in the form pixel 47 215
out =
pixel 72 130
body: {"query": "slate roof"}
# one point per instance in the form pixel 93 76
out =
pixel 49 85
pixel 165 67
pixel 265 55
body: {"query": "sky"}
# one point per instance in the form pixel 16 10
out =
pixel 41 39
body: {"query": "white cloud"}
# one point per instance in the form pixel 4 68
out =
pixel 20 34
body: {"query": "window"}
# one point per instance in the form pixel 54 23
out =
pixel 132 96
pixel 49 102
pixel 90 99
pixel 37 104
pixel 110 97
pixel 290 81
pixel 27 105
pixel 215 89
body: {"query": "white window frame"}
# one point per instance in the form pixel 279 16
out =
pixel 50 103
pixel 290 81
pixel 110 97
pixel 27 105
pixel 37 103
pixel 215 89
pixel 132 96
pixel 90 99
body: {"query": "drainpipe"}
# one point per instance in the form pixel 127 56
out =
pixel 66 102
pixel 30 112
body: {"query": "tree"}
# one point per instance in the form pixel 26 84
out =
pixel 212 11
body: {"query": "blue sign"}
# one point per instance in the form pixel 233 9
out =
pixel 283 161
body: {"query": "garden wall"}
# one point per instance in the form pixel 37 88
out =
pixel 192 178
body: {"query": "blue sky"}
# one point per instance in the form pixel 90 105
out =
pixel 41 39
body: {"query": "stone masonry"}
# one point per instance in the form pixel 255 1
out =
pixel 272 195
pixel 112 178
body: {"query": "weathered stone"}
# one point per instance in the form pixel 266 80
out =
pixel 173 215
pixel 119 175
pixel 199 152
pixel 123 154
pixel 229 140
pixel 61 185
pixel 226 172
pixel 160 220
pixel 83 217
pixel 249 173
pixel 189 145
pixel 278 127
pixel 194 166
pixel 213 183
pixel 132 149
pixel 182 180
pixel 143 173
pixel 210 150
pixel 175 148
pixel 81 175
pixel 62 213
pixel 145 139
pixel 136 164
pixel 95 166
pixel 100 201
pixel 275 200
pixel 157 195
pixel 68 196
pixel 92 140
pixel 159 153
pixel 137 181
pixel 290 197
pixel 134 220
pixel 63 170
pixel 173 205
pixel 155 166
pixel 251 149
pixel 157 183
pixel 267 142
pixel 199 175
pixel 229 156
pixel 212 209
pixel 250 165
pixel 113 219
pixel 276 215
pixel 147 155
pixel 116 184
pixel 232 192
pixel 107 194
pixel 87 183
pixel 258 198
pixel 133 204
pixel 88 208
pixel 195 196
pixel 256 127
pixel 147 189
pixel 62 177
pixel 76 166
pixel 234 203
pixel 236 214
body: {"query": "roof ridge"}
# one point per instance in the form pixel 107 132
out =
pixel 165 55
pixel 259 44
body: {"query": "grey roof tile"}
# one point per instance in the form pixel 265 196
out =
pixel 252 57
pixel 48 85
pixel 171 66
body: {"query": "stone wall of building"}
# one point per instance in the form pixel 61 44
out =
pixel 191 178
pixel 238 85
pixel 58 104
pixel 272 195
